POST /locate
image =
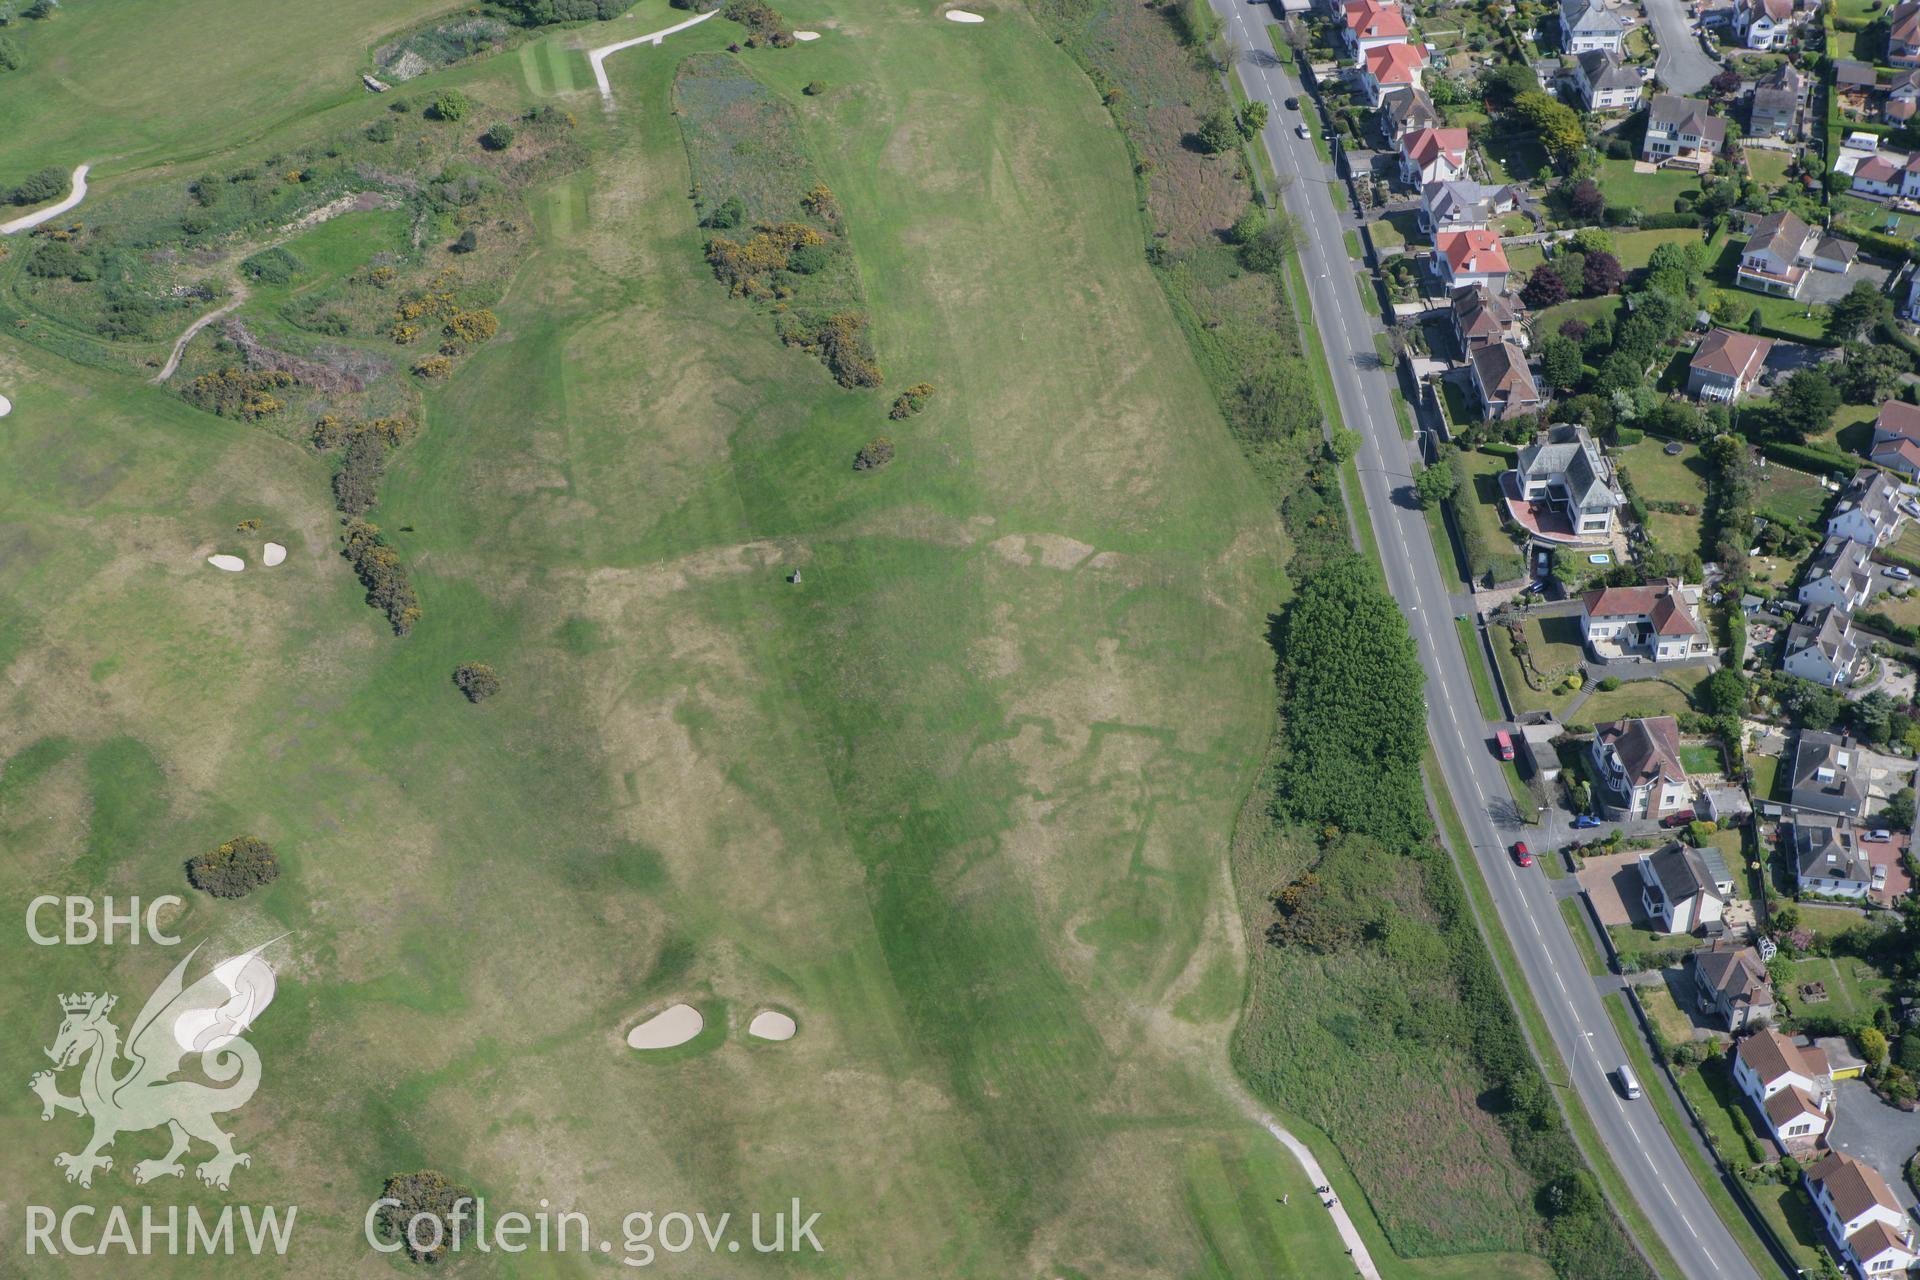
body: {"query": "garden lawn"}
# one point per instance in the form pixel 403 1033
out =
pixel 1587 309
pixel 1701 759
pixel 1658 477
pixel 1555 643
pixel 1648 192
pixel 1769 167
pixel 1793 494
pixel 1636 698
pixel 1853 987
pixel 1633 248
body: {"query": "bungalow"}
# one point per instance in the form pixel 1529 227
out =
pixel 1863 1217
pixel 1883 173
pixel 1896 438
pixel 1502 381
pixel 1726 364
pixel 1763 24
pixel 1821 647
pixel 1680 892
pixel 1682 132
pixel 1586 25
pixel 1481 318
pixel 1903 98
pixel 1903 34
pixel 1733 983
pixel 1775 106
pixel 1462 205
pixel 1562 468
pixel 1854 82
pixel 1390 66
pixel 1604 82
pixel 1828 859
pixel 1828 775
pixel 1371 23
pixel 1840 575
pixel 1433 155
pixel 1868 510
pixel 1781 247
pixel 1637 765
pixel 1463 258
pixel 1657 622
pixel 1403 110
pixel 1789 1084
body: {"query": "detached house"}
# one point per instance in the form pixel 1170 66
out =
pixel 1841 575
pixel 1862 1215
pixel 1775 106
pixel 1562 469
pixel 1683 133
pixel 1821 647
pixel 1790 1085
pixel 1370 24
pixel 1781 249
pixel 1585 25
pixel 1828 860
pixel 1828 775
pixel 1502 381
pixel 1404 110
pixel 1657 622
pixel 1733 983
pixel 1726 364
pixel 1637 764
pixel 1896 438
pixel 1390 66
pixel 1763 24
pixel 1903 34
pixel 1604 82
pixel 1903 98
pixel 1680 891
pixel 1462 205
pixel 1433 155
pixel 1481 318
pixel 1465 258
pixel 1868 510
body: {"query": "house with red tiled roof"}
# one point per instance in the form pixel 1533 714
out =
pixel 1903 34
pixel 1880 174
pixel 1896 438
pixel 1433 155
pixel 1726 364
pixel 1465 258
pixel 1657 621
pixel 1368 24
pixel 1390 66
pixel 1764 24
pixel 1502 381
pixel 1790 1085
pixel 1862 1215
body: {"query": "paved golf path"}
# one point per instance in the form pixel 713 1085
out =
pixel 598 57
pixel 38 216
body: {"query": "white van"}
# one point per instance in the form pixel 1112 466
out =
pixel 1628 1085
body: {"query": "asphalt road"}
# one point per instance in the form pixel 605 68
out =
pixel 1682 65
pixel 1567 995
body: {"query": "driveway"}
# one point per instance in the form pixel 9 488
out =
pixel 1683 66
pixel 1868 1129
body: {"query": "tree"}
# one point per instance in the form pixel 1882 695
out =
pixel 1723 693
pixel 1345 444
pixel 814 88
pixel 1602 274
pixel 498 138
pixel 1253 118
pixel 1864 309
pixel 1219 131
pixel 1505 84
pixel 1872 374
pixel 1898 815
pixel 1561 132
pixel 1873 1045
pixel 477 680
pixel 1804 405
pixel 1248 225
pixel 1724 84
pixel 1268 252
pixel 11 58
pixel 1586 200
pixel 1872 717
pixel 1544 288
pixel 1591 240
pixel 1435 484
pixel 469 241
pixel 1559 362
pixel 449 105
pixel 235 869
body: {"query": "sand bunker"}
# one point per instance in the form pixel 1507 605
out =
pixel 771 1024
pixel 806 35
pixel 232 564
pixel 274 554
pixel 961 15
pixel 6 406
pixel 667 1028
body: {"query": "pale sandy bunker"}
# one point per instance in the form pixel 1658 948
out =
pixel 6 406
pixel 273 554
pixel 771 1024
pixel 963 15
pixel 806 35
pixel 232 564
pixel 670 1027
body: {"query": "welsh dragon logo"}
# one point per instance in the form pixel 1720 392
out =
pixel 179 1022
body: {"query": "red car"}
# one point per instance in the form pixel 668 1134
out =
pixel 1521 854
pixel 1679 819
